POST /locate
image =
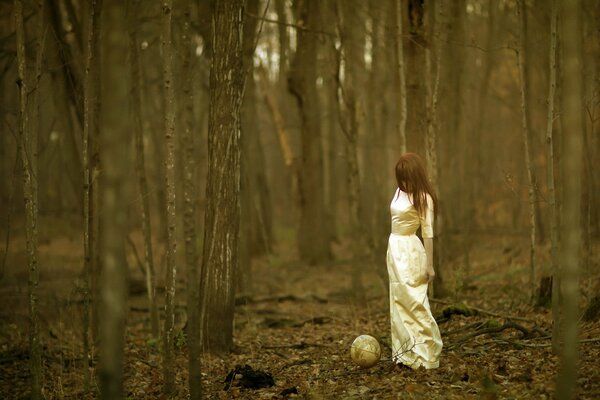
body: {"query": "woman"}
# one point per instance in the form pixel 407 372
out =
pixel 416 339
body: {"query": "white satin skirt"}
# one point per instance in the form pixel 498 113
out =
pixel 416 339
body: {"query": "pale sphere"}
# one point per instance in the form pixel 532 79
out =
pixel 365 351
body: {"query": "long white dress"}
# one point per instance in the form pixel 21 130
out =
pixel 416 339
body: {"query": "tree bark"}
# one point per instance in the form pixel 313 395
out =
pixel 140 165
pixel 27 143
pixel 435 16
pixel 90 120
pixel 255 224
pixel 528 143
pixel 313 236
pixel 114 216
pixel 222 216
pixel 401 79
pixel 550 165
pixel 190 176
pixel 572 121
pixel 170 140
pixel 351 116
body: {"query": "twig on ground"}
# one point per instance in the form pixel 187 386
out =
pixel 507 325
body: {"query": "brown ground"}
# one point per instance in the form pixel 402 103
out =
pixel 298 325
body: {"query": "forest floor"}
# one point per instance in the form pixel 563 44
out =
pixel 297 323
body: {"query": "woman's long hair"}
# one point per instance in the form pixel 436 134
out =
pixel 412 179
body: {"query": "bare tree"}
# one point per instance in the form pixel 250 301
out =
pixel 313 235
pixel 351 113
pixel 140 164
pixel 28 148
pixel 190 175
pixel 528 142
pixel 551 162
pixel 114 145
pixel 170 140
pixel 435 18
pixel 90 120
pixel 222 216
pixel 572 121
pixel 401 79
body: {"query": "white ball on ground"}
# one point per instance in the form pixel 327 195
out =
pixel 365 351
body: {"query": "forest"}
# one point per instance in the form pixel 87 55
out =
pixel 195 196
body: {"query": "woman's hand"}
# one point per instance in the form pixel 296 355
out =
pixel 430 273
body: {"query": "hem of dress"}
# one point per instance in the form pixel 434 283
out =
pixel 419 363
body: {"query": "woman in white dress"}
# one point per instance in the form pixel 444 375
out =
pixel 416 339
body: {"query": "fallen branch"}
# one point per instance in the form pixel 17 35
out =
pixel 463 309
pixel 520 343
pixel 491 330
pixel 300 346
pixel 244 300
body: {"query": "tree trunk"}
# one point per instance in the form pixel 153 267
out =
pixel 222 216
pixel 313 236
pixel 170 140
pixel 255 224
pixel 401 80
pixel 550 165
pixel 528 143
pixel 351 117
pixel 27 143
pixel 283 41
pixel 572 121
pixel 435 16
pixel 90 120
pixel 140 164
pixel 190 176
pixel 114 216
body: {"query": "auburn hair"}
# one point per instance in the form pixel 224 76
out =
pixel 412 179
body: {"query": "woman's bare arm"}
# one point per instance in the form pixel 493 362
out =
pixel 428 242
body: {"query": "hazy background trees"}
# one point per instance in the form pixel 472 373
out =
pixel 286 120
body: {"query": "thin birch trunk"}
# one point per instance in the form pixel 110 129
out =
pixel 89 121
pixel 114 217
pixel 190 175
pixel 572 121
pixel 140 166
pixel 528 143
pixel 550 163
pixel 401 78
pixel 28 152
pixel 169 118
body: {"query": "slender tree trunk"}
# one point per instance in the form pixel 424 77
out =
pixel 89 122
pixel 572 121
pixel 222 216
pixel 528 143
pixel 170 140
pixel 435 16
pixel 401 79
pixel 255 224
pixel 314 232
pixel 115 161
pixel 349 98
pixel 283 41
pixel 140 164
pixel 28 149
pixel 190 176
pixel 550 164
